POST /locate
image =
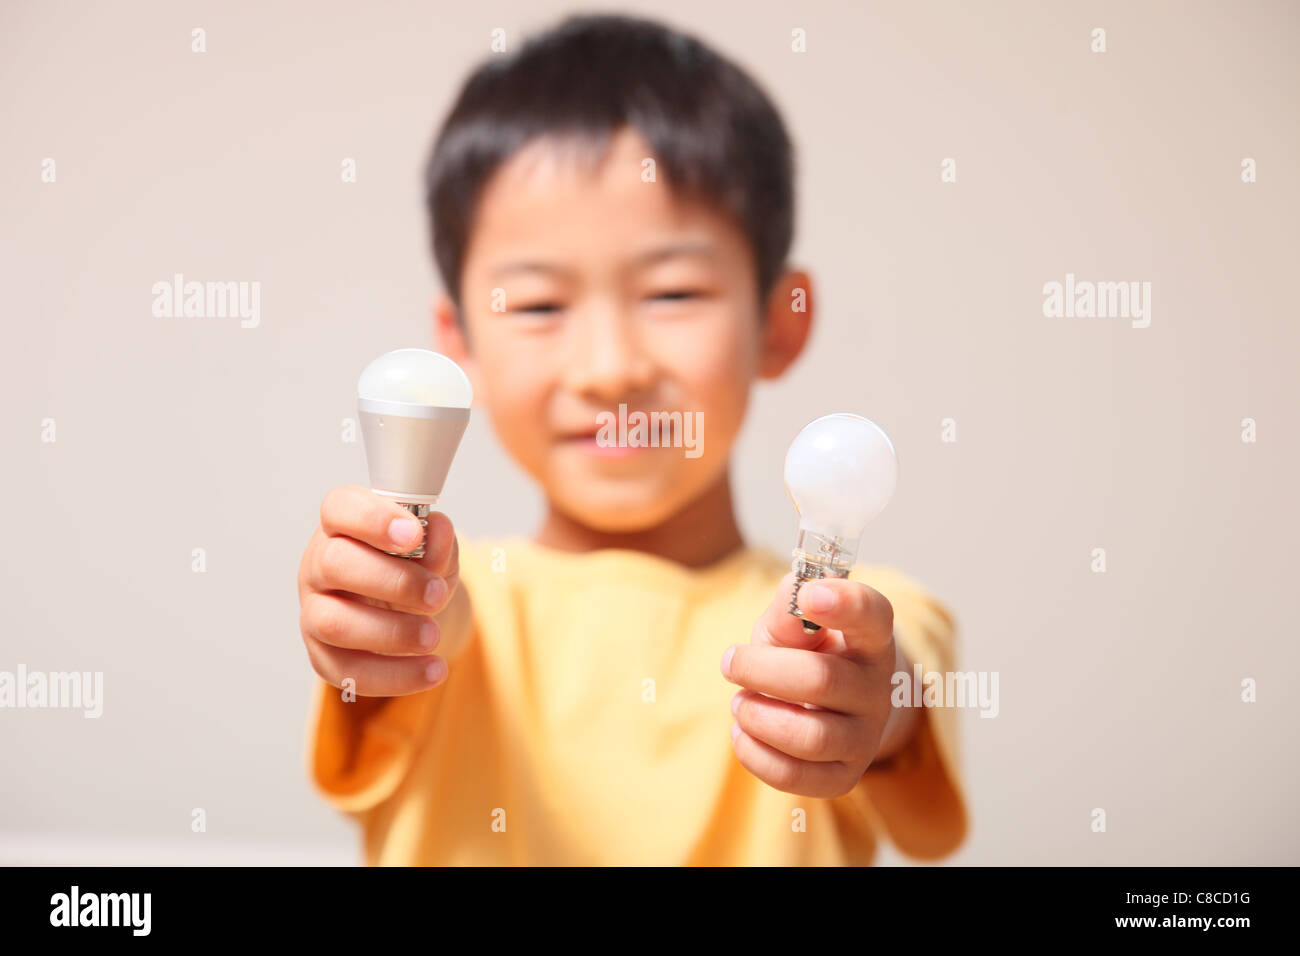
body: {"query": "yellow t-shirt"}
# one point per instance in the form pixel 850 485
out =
pixel 586 722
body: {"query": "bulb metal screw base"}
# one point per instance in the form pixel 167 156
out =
pixel 817 556
pixel 420 512
pixel 804 571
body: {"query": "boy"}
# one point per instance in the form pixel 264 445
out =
pixel 576 710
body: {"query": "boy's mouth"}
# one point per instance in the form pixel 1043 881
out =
pixel 624 435
pixel 589 444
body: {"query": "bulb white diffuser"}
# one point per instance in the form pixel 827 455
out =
pixel 414 406
pixel 840 473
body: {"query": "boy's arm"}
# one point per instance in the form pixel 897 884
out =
pixel 358 750
pixel 368 622
pixel 914 794
pixel 846 672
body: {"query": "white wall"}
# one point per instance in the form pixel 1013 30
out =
pixel 1118 690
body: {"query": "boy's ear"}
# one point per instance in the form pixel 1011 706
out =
pixel 452 339
pixel 788 314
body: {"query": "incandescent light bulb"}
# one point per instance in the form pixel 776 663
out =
pixel 840 472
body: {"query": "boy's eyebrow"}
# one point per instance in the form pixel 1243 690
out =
pixel 702 248
pixel 527 266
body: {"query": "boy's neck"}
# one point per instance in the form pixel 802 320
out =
pixel 702 533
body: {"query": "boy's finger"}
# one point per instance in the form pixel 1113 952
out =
pixel 778 627
pixel 863 615
pixel 344 564
pixel 798 731
pixel 375 675
pixel 789 774
pixel 799 676
pixel 370 518
pixel 340 622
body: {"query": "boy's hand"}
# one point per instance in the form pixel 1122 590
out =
pixel 368 615
pixel 842 672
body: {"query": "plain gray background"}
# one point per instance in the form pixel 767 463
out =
pixel 1118 690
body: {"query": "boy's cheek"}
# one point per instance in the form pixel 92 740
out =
pixel 720 344
pixel 526 439
pixel 519 421
pixel 514 386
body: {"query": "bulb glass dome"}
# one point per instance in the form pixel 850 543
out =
pixel 415 377
pixel 840 472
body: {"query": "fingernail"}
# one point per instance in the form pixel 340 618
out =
pixel 428 634
pixel 404 531
pixel 726 661
pixel 435 591
pixel 735 704
pixel 436 670
pixel 735 732
pixel 817 597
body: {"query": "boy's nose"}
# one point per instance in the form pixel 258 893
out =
pixel 607 361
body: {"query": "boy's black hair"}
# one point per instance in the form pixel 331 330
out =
pixel 714 133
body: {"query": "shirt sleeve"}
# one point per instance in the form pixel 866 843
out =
pixel 359 751
pixel 915 797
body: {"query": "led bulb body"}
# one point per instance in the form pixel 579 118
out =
pixel 409 448
pixel 413 405
pixel 840 472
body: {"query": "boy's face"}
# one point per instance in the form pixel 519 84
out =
pixel 584 290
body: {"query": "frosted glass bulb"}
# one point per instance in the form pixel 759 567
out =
pixel 416 376
pixel 414 406
pixel 840 472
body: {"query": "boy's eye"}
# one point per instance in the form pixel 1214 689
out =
pixel 675 295
pixel 540 308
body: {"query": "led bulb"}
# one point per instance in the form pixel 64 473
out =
pixel 414 406
pixel 840 473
